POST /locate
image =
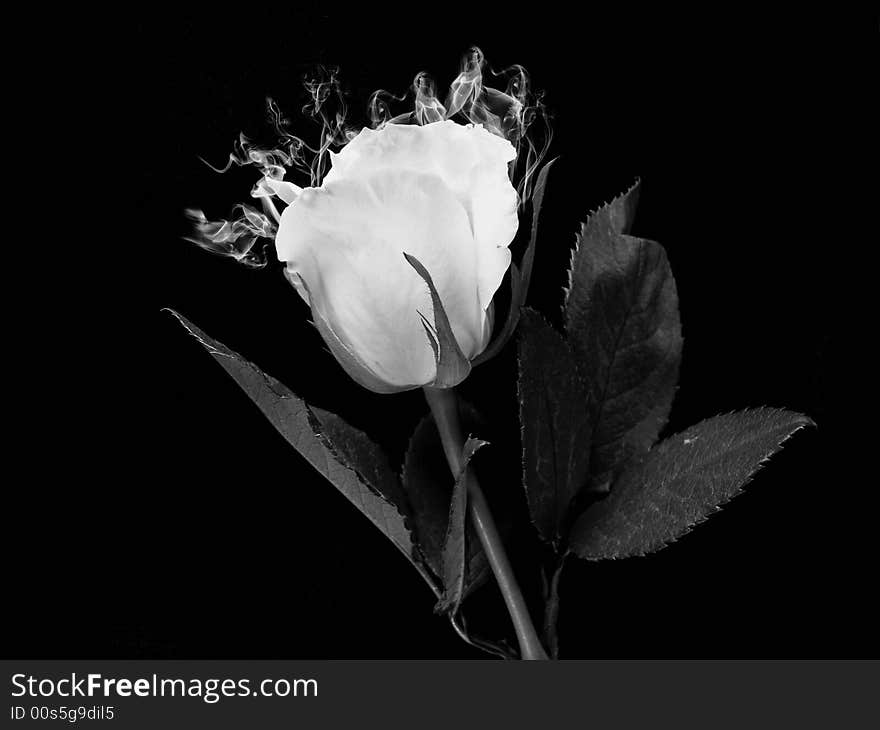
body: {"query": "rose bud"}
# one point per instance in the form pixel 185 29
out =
pixel 439 193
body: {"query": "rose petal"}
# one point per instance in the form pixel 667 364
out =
pixel 347 238
pixel 471 161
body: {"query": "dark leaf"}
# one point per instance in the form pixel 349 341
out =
pixel 555 425
pixel 621 318
pixel 681 482
pixel 360 454
pixel 454 555
pixel 452 365
pixel 528 258
pixel 521 276
pixel 342 454
pixel 428 485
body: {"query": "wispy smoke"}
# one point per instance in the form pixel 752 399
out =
pixel 235 238
pixel 516 113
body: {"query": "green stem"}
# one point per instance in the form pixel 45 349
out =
pixel 444 406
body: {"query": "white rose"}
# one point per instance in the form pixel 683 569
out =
pixel 439 192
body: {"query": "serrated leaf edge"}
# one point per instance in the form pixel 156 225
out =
pixel 556 541
pixel 452 595
pixel 273 384
pixel 566 290
pixel 806 423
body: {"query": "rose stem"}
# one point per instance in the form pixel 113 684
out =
pixel 444 406
pixel 551 609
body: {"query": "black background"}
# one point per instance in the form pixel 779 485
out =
pixel 164 517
